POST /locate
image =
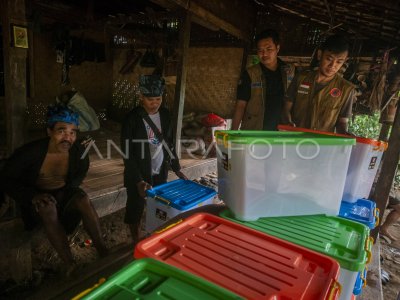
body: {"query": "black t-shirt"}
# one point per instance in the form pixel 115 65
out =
pixel 273 95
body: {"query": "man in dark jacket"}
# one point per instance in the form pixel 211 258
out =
pixel 150 155
pixel 262 86
pixel 43 177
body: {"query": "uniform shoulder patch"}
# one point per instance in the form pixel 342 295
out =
pixel 335 92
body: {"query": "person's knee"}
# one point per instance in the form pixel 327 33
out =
pixel 48 213
pixel 396 208
pixel 82 203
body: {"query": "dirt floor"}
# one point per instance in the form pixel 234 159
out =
pixel 390 262
pixel 47 268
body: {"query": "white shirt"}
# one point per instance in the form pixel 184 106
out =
pixel 156 151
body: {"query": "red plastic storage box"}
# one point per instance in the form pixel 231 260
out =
pixel 250 263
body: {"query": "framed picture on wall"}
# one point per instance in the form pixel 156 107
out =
pixel 20 36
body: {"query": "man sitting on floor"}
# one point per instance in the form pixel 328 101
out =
pixel 393 216
pixel 43 177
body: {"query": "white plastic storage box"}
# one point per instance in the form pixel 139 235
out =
pixel 364 162
pixel 170 199
pixel 272 173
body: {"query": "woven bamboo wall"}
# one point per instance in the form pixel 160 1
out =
pixel 125 86
pixel 90 78
pixel 212 79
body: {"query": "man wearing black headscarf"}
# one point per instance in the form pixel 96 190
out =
pixel 146 133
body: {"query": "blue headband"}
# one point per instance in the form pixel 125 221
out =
pixel 61 113
pixel 151 85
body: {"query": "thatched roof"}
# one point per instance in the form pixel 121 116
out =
pixel 370 19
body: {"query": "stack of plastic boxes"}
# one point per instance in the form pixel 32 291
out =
pixel 364 162
pixel 208 257
pixel 250 263
pixel 271 244
pixel 365 212
pixel 293 176
pixel 343 240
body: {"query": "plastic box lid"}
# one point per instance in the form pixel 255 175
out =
pixel 250 263
pixel 151 279
pixel 281 138
pixel 181 194
pixel 346 241
pixel 377 144
pixel 363 211
pixel 360 282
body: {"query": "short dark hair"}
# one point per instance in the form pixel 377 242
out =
pixel 268 33
pixel 336 43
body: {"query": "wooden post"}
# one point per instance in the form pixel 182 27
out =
pixel 383 135
pixel 246 51
pixel 179 101
pixel 13 13
pixel 388 170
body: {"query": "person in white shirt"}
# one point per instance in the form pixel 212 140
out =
pixel 150 153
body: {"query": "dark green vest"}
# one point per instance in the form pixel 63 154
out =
pixel 320 112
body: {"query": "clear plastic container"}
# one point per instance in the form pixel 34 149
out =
pixel 271 174
pixel 364 162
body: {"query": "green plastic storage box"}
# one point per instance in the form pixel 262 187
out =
pixel 150 279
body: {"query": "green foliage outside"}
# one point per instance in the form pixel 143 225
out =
pixel 366 126
pixel 369 127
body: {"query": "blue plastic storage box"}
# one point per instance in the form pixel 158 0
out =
pixel 360 282
pixel 363 211
pixel 170 199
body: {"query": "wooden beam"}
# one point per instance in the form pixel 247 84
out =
pixel 389 165
pixel 13 12
pixel 179 101
pixel 137 18
pixel 350 26
pixel 209 17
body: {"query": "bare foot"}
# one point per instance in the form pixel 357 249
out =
pixel 386 232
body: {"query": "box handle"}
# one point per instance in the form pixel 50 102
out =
pixel 335 291
pixel 381 147
pixel 169 226
pixel 226 140
pixel 376 215
pixel 217 134
pixel 87 291
pixel 161 199
pixel 363 278
pixel 368 247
